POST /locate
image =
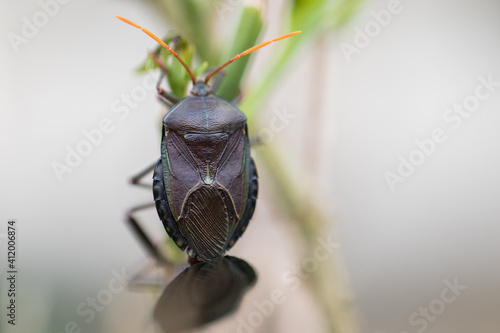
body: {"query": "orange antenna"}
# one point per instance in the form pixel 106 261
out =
pixel 161 43
pixel 250 50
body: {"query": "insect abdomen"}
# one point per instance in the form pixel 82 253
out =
pixel 207 221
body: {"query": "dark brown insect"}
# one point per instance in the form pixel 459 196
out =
pixel 205 182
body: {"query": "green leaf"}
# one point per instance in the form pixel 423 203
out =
pixel 149 63
pixel 193 19
pixel 314 18
pixel 200 69
pixel 178 78
pixel 246 36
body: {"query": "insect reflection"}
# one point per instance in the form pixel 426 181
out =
pixel 203 293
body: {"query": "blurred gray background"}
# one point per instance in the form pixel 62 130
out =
pixel 398 247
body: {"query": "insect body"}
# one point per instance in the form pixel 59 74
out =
pixel 205 182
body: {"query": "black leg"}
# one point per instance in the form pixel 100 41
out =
pixel 136 180
pixel 133 222
pixel 168 98
pixel 146 241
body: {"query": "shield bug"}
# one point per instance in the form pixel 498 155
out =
pixel 205 182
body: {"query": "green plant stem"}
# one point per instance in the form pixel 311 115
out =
pixel 313 24
pixel 311 224
pixel 315 18
pixel 246 36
